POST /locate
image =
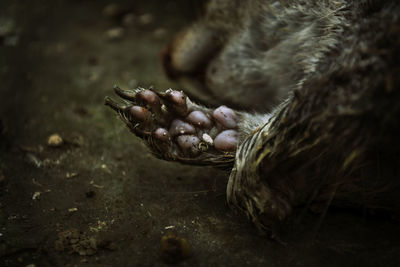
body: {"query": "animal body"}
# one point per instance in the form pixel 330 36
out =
pixel 299 100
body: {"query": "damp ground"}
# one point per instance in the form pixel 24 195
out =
pixel 77 189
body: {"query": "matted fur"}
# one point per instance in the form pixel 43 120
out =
pixel 316 84
pixel 326 72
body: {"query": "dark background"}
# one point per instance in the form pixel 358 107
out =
pixel 58 61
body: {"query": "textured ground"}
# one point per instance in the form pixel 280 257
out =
pixel 100 193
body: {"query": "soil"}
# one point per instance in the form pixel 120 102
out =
pixel 77 189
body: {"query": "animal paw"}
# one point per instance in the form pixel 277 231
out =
pixel 175 128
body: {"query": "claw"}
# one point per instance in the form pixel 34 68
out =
pixel 127 112
pixel 175 101
pixel 118 107
pixel 125 94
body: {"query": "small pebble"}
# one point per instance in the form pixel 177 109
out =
pixel 146 19
pixel 71 174
pixel 208 139
pixel 36 195
pixel 55 140
pixel 129 19
pixel 114 34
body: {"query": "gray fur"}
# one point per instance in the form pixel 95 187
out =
pixel 318 69
pixel 268 47
pixel 317 86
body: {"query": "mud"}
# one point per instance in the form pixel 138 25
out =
pixel 94 196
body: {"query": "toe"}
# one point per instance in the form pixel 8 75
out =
pixel 226 141
pixel 226 117
pixel 179 127
pixel 149 97
pixel 188 143
pixel 176 97
pixel 175 101
pixel 140 114
pixel 162 134
pixel 199 119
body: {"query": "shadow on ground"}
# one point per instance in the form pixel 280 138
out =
pixel 96 197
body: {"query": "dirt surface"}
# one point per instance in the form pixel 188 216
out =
pixel 77 189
